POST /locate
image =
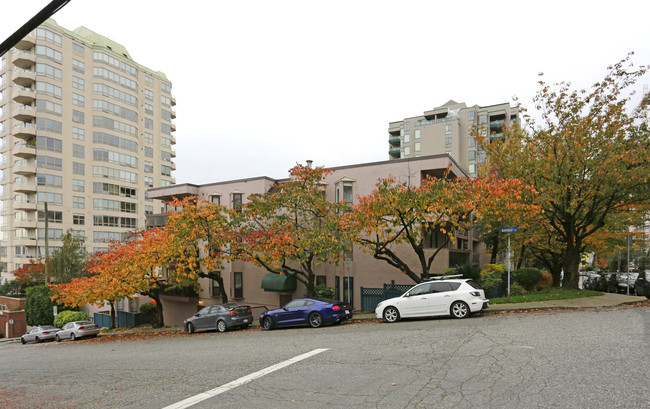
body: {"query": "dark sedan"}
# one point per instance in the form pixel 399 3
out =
pixel 307 311
pixel 221 317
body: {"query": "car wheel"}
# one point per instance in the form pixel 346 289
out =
pixel 244 326
pixel 391 314
pixel 267 323
pixel 38 340
pixel 73 337
pixel 57 338
pixel 190 328
pixel 459 309
pixel 221 326
pixel 23 341
pixel 315 320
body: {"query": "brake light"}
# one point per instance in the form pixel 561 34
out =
pixel 475 293
pixel 45 332
pixel 82 327
pixel 233 313
pixel 249 310
pixel 336 307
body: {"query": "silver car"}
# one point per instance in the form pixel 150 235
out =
pixel 40 333
pixel 77 329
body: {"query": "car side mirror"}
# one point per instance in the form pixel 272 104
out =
pixel 407 295
pixel 285 308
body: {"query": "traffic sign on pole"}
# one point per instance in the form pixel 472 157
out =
pixel 510 230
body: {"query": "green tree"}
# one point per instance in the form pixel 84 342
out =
pixel 39 309
pixel 588 160
pixel 67 263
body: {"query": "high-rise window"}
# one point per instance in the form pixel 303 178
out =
pixel 417 134
pixel 448 129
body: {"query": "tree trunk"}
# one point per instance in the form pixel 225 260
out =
pixel 112 315
pixel 217 277
pixel 495 249
pixel 571 266
pixel 159 308
pixel 520 259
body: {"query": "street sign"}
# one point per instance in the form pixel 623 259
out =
pixel 510 230
pixel 348 261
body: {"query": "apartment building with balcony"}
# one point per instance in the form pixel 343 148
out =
pixel 446 129
pixel 85 129
pixel 252 285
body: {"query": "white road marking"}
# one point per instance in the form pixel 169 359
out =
pixel 244 379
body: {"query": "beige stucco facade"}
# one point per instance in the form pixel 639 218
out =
pixel 447 129
pixel 84 128
pixel 363 271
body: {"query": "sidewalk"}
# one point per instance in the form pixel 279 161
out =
pixel 605 300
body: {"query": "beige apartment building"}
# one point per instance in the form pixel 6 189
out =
pixel 85 129
pixel 446 129
pixel 246 282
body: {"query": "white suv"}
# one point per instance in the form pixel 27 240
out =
pixel 444 296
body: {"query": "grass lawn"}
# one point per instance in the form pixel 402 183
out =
pixel 548 294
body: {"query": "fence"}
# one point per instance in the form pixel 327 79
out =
pixel 122 319
pixel 370 297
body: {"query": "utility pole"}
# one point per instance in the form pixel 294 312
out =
pixel 47 247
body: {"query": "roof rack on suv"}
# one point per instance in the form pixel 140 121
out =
pixel 442 277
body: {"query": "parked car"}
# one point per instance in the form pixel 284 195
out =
pixel 456 297
pixel 592 282
pixel 39 334
pixel 625 280
pixel 307 311
pixel 77 329
pixel 642 284
pixel 221 317
pixel 611 284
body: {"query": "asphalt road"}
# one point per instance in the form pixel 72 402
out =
pixel 552 359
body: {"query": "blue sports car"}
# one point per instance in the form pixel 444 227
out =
pixel 306 311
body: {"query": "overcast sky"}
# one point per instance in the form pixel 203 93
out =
pixel 261 85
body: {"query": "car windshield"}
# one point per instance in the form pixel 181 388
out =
pixel 83 322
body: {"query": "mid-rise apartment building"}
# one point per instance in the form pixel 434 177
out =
pixel 85 129
pixel 447 129
pixel 245 282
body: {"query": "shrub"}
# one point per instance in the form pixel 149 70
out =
pixel 517 289
pixel 148 311
pixel 545 282
pixel 323 291
pixel 64 317
pixel 39 309
pixel 469 271
pixel 492 278
pixel 527 278
pixel 10 288
pixel 449 271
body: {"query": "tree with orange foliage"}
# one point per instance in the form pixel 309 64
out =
pixel 398 220
pixel 126 268
pixel 293 227
pixel 198 241
pixel 30 274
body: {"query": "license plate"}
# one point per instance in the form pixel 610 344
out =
pixel 347 311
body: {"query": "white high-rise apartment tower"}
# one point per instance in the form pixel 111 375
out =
pixel 84 128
